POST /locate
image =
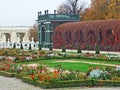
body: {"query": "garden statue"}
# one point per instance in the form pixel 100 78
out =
pixel 95 73
pixel 18 38
pixel 32 39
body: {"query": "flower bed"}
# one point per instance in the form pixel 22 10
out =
pixel 59 84
pixel 56 79
pixel 46 77
pixel 73 83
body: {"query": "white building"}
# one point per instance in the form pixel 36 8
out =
pixel 14 33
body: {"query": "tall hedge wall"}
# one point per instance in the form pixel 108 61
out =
pixel 88 33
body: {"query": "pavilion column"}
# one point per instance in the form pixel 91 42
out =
pixel 3 37
pixel 26 37
pixel 14 37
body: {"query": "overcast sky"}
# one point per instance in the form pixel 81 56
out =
pixel 24 12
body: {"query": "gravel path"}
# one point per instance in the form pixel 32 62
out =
pixel 87 62
pixel 85 51
pixel 16 84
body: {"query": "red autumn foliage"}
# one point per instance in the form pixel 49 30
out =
pixel 102 32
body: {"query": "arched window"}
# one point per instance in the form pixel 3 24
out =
pixel 43 33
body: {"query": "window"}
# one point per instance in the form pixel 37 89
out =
pixel 43 33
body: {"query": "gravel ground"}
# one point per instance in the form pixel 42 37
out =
pixel 16 84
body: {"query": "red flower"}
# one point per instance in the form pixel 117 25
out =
pixel 32 76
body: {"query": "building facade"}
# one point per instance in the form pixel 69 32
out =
pixel 47 22
pixel 14 33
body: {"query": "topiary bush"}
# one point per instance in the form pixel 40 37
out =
pixel 63 49
pixel 97 50
pixel 79 50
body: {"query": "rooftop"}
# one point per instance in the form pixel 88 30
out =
pixel 57 17
pixel 14 27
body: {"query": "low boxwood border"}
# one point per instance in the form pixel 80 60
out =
pixel 58 84
pixel 73 83
pixel 69 83
pixel 108 83
pixel 7 74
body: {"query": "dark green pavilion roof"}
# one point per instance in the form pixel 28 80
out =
pixel 58 17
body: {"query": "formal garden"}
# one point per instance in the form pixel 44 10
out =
pixel 54 69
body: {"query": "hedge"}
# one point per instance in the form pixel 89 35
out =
pixel 69 83
pixel 59 84
pixel 73 83
pixel 7 74
pixel 108 83
pixel 104 33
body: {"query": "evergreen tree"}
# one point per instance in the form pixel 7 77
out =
pixel 97 50
pixel 50 48
pixel 79 50
pixel 63 49
pixel 88 47
pixel 40 47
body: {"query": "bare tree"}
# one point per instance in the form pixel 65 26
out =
pixel 34 33
pixel 72 7
pixel 64 9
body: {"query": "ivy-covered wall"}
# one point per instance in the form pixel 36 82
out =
pixel 105 33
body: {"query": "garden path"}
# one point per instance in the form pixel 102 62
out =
pixel 85 51
pixel 16 84
pixel 87 62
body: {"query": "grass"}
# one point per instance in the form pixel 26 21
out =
pixel 76 66
pixel 101 61
pixel 87 60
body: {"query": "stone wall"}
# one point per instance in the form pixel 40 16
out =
pixel 88 33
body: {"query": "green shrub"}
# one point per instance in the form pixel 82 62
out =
pixel 97 50
pixel 40 47
pixel 79 50
pixel 50 48
pixel 63 49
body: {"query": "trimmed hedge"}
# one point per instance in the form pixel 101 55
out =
pixel 70 83
pixel 108 83
pixel 7 74
pixel 59 84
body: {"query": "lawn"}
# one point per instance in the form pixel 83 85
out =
pixel 76 66
pixel 101 61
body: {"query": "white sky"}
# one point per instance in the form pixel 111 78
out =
pixel 24 12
